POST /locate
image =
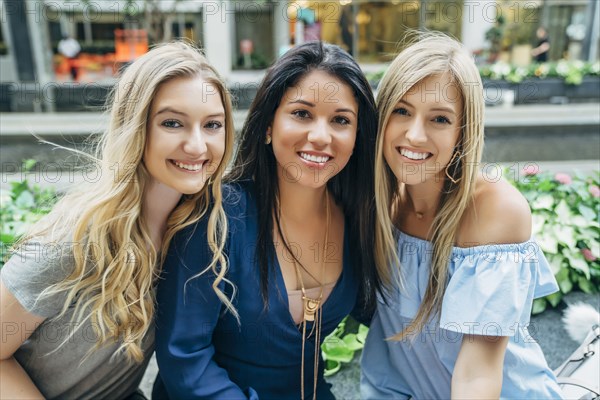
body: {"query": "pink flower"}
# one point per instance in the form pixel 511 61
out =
pixel 595 191
pixel 531 169
pixel 563 178
pixel 587 254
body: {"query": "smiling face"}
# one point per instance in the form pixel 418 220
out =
pixel 423 130
pixel 186 134
pixel 314 129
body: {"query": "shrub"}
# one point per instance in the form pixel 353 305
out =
pixel 25 204
pixel 565 224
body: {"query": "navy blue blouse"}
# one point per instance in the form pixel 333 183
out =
pixel 201 349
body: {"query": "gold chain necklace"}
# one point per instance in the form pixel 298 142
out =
pixel 312 307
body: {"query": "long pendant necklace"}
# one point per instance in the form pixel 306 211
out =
pixel 312 307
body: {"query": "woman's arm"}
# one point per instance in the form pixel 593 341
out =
pixel 187 315
pixel 478 369
pixel 17 325
pixel 501 215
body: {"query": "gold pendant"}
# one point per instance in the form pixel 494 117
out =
pixel 310 308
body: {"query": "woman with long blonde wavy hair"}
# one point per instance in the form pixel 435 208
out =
pixel 456 324
pixel 78 292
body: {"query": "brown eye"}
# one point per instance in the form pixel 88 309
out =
pixel 302 114
pixel 341 120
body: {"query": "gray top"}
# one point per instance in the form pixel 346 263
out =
pixel 67 371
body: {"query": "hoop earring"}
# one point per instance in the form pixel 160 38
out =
pixel 454 159
pixel 268 139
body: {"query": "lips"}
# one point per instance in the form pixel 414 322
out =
pixel 187 166
pixel 413 155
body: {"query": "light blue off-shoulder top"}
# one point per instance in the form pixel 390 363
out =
pixel 490 292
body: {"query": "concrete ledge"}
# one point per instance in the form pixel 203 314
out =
pixel 85 123
pixel 520 133
pixel 543 115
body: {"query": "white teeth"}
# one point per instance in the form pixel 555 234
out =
pixel 313 158
pixel 412 155
pixel 189 167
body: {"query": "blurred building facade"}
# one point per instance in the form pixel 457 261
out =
pixel 242 35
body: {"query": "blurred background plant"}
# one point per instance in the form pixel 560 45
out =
pixel 494 36
pixel 572 72
pixel 565 213
pixel 25 204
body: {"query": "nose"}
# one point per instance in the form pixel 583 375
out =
pixel 319 133
pixel 195 144
pixel 416 132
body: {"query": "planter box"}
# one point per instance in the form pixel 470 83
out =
pixel 69 97
pixel 549 90
pixel 27 97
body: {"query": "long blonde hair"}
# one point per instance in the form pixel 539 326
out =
pixel 101 222
pixel 433 54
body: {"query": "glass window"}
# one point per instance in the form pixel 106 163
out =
pixel 380 25
pixel 3 46
pixel 253 46
pixel 521 21
pixel 444 16
pixel 566 30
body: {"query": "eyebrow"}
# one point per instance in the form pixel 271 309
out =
pixel 171 110
pixel 444 109
pixel 215 115
pixel 309 104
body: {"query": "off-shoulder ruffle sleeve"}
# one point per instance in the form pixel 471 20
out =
pixel 492 288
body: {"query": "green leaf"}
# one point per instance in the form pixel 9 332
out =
pixel 576 261
pixel 546 186
pixel 585 285
pixel 7 238
pixel 548 242
pixel 563 280
pixel 579 221
pixel 588 234
pixel 337 352
pixel 587 212
pixel 539 305
pixel 352 343
pixel 331 367
pixel 545 201
pixel 565 234
pixel 17 188
pixel 554 298
pixel 25 200
pixel 563 212
pixel 538 222
pixel 362 333
pixel 28 164
pixel 556 262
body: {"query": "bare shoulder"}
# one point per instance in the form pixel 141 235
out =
pixel 498 214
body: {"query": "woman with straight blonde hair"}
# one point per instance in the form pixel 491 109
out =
pixel 77 294
pixel 456 325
